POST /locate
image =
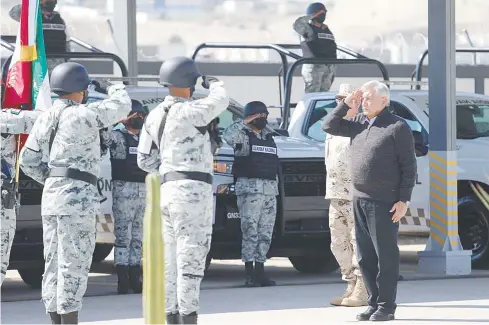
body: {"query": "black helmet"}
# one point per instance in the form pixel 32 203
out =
pixel 253 108
pixel 179 72
pixel 314 7
pixel 137 107
pixel 69 77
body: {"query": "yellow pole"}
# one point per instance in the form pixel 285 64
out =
pixel 153 255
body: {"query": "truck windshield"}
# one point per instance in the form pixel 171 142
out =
pixel 472 118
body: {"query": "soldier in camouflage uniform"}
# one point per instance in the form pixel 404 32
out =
pixel 317 41
pixel 178 126
pixel 255 169
pixel 62 152
pixel 341 218
pixel 12 121
pixel 129 192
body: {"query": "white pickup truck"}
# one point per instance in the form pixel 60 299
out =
pixel 472 154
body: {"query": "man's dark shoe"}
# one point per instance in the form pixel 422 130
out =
pixel 249 274
pixel 261 280
pixel 189 319
pixel 55 318
pixel 366 314
pixel 382 316
pixel 70 318
pixel 173 318
pixel 135 278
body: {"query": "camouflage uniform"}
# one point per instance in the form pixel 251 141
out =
pixel 317 77
pixel 13 121
pixel 257 200
pixel 69 206
pixel 186 205
pixel 128 206
pixel 341 218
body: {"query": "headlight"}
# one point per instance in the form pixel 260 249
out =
pixel 223 167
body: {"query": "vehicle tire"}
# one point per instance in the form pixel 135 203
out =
pixel 32 277
pixel 311 264
pixel 473 228
pixel 101 252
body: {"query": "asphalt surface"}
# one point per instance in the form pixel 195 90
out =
pixel 220 275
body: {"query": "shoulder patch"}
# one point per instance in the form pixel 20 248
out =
pixel 15 111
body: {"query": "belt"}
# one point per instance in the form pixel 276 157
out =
pixel 74 174
pixel 179 176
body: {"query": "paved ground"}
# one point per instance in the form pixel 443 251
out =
pixel 461 301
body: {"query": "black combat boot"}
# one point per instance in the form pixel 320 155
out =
pixel 135 278
pixel 122 279
pixel 71 318
pixel 189 319
pixel 261 279
pixel 249 274
pixel 173 318
pixel 55 318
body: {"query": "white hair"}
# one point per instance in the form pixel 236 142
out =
pixel 380 88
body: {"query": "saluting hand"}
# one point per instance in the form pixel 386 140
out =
pixel 399 209
pixel 354 99
pixel 250 118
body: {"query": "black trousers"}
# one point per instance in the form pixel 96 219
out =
pixel 377 250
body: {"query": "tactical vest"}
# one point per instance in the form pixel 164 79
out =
pixel 54 29
pixel 262 162
pixel 127 169
pixel 321 46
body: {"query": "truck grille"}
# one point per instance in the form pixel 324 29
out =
pixel 304 178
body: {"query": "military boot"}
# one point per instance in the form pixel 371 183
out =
pixel 122 279
pixel 189 319
pixel 359 296
pixel 71 318
pixel 261 279
pixel 173 318
pixel 336 301
pixel 249 274
pixel 135 278
pixel 55 318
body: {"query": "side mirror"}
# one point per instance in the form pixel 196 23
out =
pixel 282 132
pixel 420 147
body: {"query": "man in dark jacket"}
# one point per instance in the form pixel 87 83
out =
pixel 383 164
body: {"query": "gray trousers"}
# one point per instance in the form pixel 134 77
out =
pixel 378 252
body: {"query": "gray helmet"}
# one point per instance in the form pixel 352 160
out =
pixel 179 72
pixel 137 107
pixel 69 77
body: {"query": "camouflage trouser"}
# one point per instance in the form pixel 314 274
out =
pixel 69 241
pixel 128 229
pixel 52 63
pixel 7 235
pixel 317 77
pixel 258 213
pixel 187 209
pixel 343 243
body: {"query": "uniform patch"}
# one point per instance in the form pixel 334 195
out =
pixel 133 150
pixel 14 111
pixel 263 149
pixel 326 36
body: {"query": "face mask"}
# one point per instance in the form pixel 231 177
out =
pixel 321 18
pixel 136 123
pixel 260 123
pixel 85 97
pixel 48 6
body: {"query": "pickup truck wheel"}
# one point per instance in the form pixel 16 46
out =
pixel 310 264
pixel 101 252
pixel 473 228
pixel 32 277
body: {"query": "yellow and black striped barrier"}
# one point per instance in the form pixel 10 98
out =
pixel 153 255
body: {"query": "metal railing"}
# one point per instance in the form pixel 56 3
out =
pixel 290 75
pixel 417 73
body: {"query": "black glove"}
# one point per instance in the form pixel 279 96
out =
pixel 207 80
pixel 98 87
